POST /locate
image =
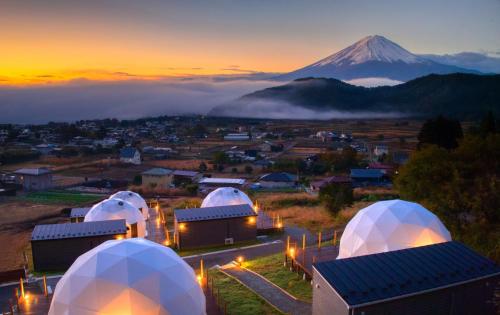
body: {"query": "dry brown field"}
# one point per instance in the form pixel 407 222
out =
pixel 17 220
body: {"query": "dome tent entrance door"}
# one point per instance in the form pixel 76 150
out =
pixel 133 230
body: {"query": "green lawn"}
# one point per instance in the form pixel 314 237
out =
pixel 271 268
pixel 60 197
pixel 239 299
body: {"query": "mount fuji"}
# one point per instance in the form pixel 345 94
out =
pixel 373 57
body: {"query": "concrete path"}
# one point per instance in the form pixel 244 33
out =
pixel 273 294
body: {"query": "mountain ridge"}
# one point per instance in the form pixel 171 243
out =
pixel 459 95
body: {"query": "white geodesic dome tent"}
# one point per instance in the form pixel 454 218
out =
pixel 391 225
pixel 226 196
pixel 135 200
pixel 132 276
pixel 115 209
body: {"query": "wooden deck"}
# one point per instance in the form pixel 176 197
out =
pixel 304 259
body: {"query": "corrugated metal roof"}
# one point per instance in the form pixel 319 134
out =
pixel 128 152
pixel 78 212
pixel 72 230
pixel 369 278
pixel 213 213
pixel 158 171
pixel 32 171
pixel 229 181
pixel 185 173
pixel 279 177
pixel 366 173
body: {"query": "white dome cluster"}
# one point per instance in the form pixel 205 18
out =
pixel 226 196
pixel 132 276
pixel 391 225
pixel 134 199
pixel 116 209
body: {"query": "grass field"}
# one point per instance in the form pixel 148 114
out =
pixel 271 268
pixel 240 300
pixel 303 210
pixel 56 197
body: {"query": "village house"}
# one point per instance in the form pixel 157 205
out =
pixel 34 178
pixel 278 180
pixel 210 183
pixel 157 177
pixel 130 155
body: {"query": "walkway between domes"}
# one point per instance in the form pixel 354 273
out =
pixel 273 294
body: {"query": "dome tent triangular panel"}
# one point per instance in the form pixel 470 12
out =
pixel 134 199
pixel 226 196
pixel 116 209
pixel 397 224
pixel 139 285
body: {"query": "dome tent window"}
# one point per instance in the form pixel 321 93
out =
pixel 134 199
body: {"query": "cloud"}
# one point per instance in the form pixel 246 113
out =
pixel 127 99
pixel 283 110
pixel 373 82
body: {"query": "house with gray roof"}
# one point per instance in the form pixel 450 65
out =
pixel 33 179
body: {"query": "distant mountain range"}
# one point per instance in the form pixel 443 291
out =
pixel 458 95
pixel 377 57
pixel 469 60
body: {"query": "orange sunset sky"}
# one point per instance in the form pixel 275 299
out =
pixel 47 41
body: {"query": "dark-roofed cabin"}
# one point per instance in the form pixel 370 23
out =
pixel 446 278
pixel 56 246
pixel 78 214
pixel 362 177
pixel 34 178
pixel 185 177
pixel 211 226
pixel 278 180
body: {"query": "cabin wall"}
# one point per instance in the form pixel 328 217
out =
pixel 214 232
pixel 59 254
pixel 325 299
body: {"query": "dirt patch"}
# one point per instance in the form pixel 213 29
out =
pixel 17 220
pixel 178 164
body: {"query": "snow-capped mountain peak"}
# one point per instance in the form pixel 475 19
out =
pixel 372 57
pixel 370 48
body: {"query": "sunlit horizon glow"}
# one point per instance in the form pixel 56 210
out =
pixel 52 42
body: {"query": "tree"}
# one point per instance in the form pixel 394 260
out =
pixel 461 186
pixel 335 196
pixel 137 180
pixel 203 167
pixel 248 169
pixel 440 131
pixel 488 124
pixel 220 158
pixel 192 189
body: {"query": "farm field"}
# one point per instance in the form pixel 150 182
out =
pixel 61 197
pixel 17 220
